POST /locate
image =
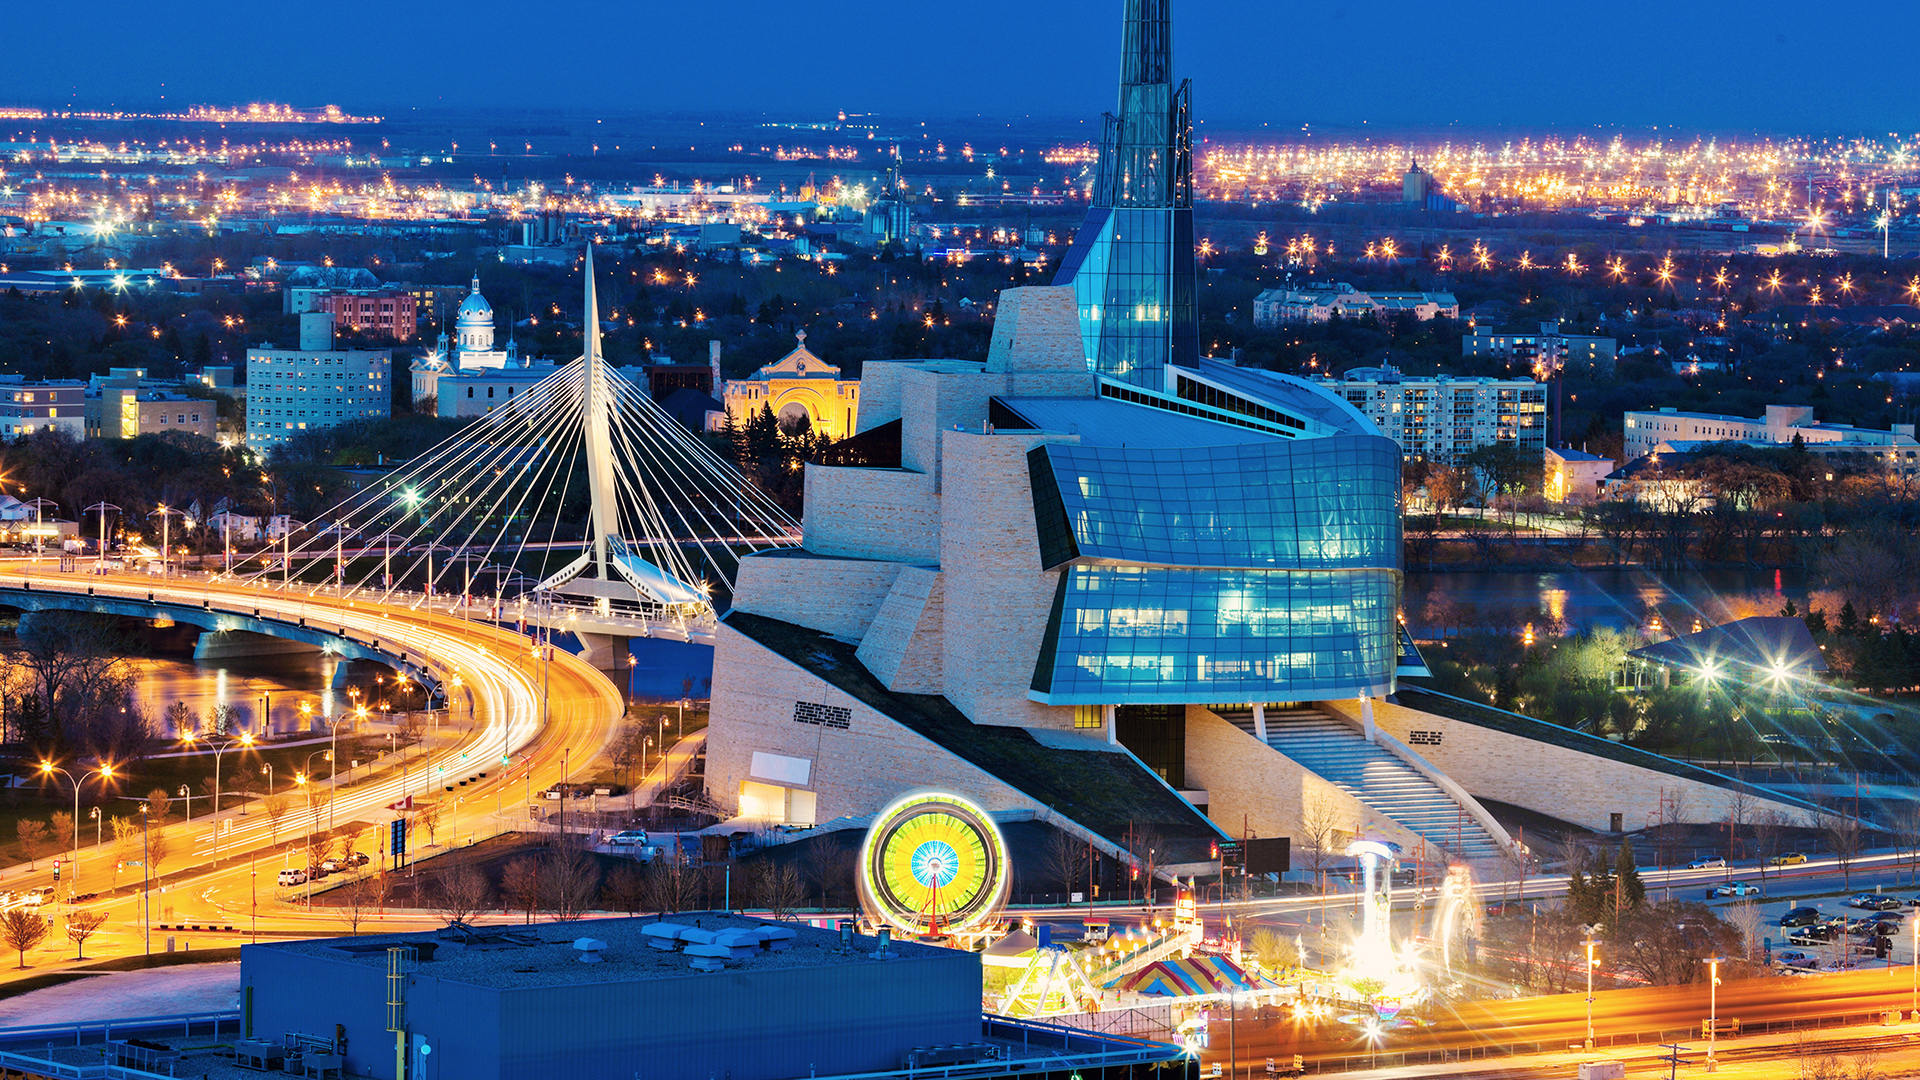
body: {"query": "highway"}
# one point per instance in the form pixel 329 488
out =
pixel 495 684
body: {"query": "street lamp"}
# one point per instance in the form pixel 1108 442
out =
pixel 219 744
pixel 1591 964
pixel 105 772
pixel 165 514
pixel 103 506
pixel 1713 1008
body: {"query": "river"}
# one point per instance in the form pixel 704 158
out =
pixel 1615 598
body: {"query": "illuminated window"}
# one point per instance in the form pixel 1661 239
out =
pixel 1089 716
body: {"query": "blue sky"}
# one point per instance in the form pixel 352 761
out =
pixel 1705 64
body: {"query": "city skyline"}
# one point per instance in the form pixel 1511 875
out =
pixel 1703 67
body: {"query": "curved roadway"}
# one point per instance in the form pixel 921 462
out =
pixel 500 679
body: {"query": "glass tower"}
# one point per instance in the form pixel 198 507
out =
pixel 1131 265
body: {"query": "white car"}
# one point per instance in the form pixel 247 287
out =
pixel 291 877
pixel 1736 888
pixel 1713 863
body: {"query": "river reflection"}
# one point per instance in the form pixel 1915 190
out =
pixel 1614 598
pixel 280 683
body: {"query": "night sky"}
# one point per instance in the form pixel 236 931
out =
pixel 1340 65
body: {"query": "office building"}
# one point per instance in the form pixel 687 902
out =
pixel 1319 302
pixel 314 386
pixel 799 387
pixel 386 313
pixel 1670 430
pixel 58 405
pixel 1544 350
pixel 126 402
pixel 1443 418
pixel 1132 262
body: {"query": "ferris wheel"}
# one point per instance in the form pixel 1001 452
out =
pixel 934 865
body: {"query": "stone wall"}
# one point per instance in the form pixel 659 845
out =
pixel 855 771
pixel 1585 789
pixel 904 647
pixel 998 597
pixel 872 514
pixel 1254 787
pixel 834 596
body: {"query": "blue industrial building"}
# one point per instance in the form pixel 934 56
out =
pixel 688 997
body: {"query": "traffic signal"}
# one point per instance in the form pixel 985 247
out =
pixel 56 869
pixel 398 845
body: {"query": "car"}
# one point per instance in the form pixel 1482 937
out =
pixel 1861 900
pixel 1800 916
pixel 1868 928
pixel 1888 916
pixel 292 876
pixel 1712 862
pixel 1736 888
pixel 359 858
pixel 628 838
pixel 1886 903
pixel 1806 937
pixel 333 866
pixel 1795 959
pixel 1792 858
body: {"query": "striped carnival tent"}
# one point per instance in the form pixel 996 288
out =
pixel 1195 976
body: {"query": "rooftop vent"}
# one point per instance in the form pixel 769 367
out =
pixel 590 949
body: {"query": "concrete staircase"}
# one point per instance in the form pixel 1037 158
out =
pixel 1339 753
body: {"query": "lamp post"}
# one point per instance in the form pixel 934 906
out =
pixel 1915 966
pixel 39 524
pixel 1591 964
pixel 219 744
pixel 1713 1009
pixel 146 870
pixel 103 506
pixel 165 513
pixel 105 772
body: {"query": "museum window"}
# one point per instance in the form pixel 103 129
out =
pixel 1088 716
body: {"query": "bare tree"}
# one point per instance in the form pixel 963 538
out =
pixel 520 886
pixel 22 929
pixel 429 816
pixel 1906 830
pixel 1843 835
pixel 774 886
pixel 569 882
pixel 82 925
pixel 158 805
pixel 1769 827
pixel 1067 858
pixel 1745 917
pixel 670 884
pixel 1319 833
pixel 1275 951
pixel 276 807
pixel 627 889
pixel 158 847
pixel 360 896
pixel 33 839
pixel 1741 807
pixel 460 893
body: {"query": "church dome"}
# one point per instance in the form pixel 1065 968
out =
pixel 475 309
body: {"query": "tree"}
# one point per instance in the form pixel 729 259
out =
pixel 460 893
pixel 180 720
pixel 569 882
pixel 520 886
pixel 22 928
pixel 1842 833
pixel 62 825
pixel 1319 833
pixel 158 804
pixel 429 815
pixel 275 805
pixel 1662 943
pixel 1067 858
pixel 1275 951
pixel 775 886
pixel 82 925
pixel 158 847
pixel 627 890
pixel 33 838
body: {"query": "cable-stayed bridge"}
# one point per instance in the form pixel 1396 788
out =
pixel 578 504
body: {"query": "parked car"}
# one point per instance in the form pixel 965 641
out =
pixel 1792 858
pixel 292 876
pixel 333 866
pixel 629 838
pixel 1712 862
pixel 359 858
pixel 1800 916
pixel 1796 959
pixel 1891 918
pixel 1807 937
pixel 1736 888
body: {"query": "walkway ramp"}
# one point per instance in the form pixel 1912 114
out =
pixel 1338 752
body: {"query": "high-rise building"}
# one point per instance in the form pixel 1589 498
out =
pixel 313 386
pixel 1443 418
pixel 1132 263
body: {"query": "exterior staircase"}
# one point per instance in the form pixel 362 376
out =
pixel 1340 754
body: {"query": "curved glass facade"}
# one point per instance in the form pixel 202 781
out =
pixel 1259 571
pixel 1311 505
pixel 1132 634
